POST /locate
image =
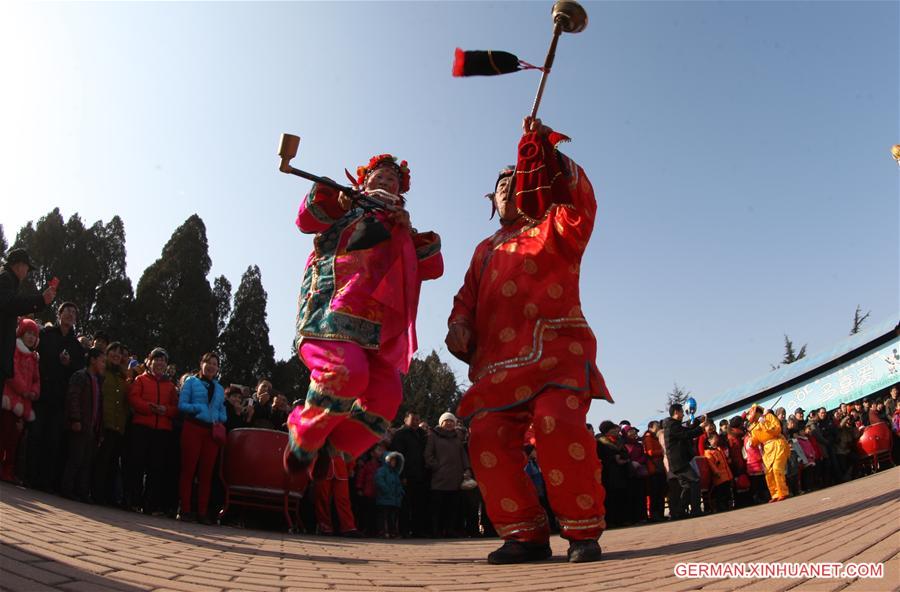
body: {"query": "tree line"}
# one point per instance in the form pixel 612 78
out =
pixel 176 306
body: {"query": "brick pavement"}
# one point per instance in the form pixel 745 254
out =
pixel 50 543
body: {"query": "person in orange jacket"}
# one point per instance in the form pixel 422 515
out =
pixel 765 430
pixel 656 472
pixel 721 473
pixel 154 401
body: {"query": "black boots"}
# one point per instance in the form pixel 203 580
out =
pixel 519 552
pixel 584 551
pixel 292 464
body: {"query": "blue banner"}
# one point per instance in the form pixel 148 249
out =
pixel 852 380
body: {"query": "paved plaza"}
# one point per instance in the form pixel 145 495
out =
pixel 50 543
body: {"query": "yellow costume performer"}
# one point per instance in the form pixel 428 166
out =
pixel 765 430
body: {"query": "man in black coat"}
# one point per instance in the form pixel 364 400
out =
pixel 61 357
pixel 410 441
pixel 84 423
pixel 679 452
pixel 13 305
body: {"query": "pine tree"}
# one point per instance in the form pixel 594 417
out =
pixel 291 377
pixel 429 389
pixel 676 395
pixel 3 244
pixel 244 344
pixel 222 296
pixel 174 305
pixel 113 309
pixel 84 259
pixel 858 319
pixel 790 356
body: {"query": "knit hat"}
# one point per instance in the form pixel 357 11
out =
pixel 19 256
pixel 446 416
pixel 27 326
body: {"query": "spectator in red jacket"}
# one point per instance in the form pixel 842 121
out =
pixel 656 472
pixel 364 485
pixel 154 401
pixel 19 392
pixel 709 428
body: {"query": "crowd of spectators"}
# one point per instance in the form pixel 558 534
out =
pixel 83 417
pixel 698 467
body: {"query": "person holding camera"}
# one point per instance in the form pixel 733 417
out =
pixel 61 356
pixel 238 410
pixel 261 406
pixel 679 439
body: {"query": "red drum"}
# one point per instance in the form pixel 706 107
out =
pixel 875 439
pixel 254 475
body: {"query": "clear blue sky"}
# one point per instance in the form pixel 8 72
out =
pixel 740 153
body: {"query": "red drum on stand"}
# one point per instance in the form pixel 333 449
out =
pixel 254 476
pixel 874 439
pixel 875 443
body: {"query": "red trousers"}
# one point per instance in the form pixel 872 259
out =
pixel 198 451
pixel 353 397
pixel 334 490
pixel 10 436
pixel 568 460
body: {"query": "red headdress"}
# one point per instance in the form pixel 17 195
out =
pixel 378 161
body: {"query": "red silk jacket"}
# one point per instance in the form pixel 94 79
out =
pixel 521 300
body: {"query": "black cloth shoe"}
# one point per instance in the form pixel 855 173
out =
pixel 519 552
pixel 353 534
pixel 186 517
pixel 584 551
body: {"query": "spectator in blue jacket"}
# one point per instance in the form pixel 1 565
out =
pixel 202 401
pixel 389 495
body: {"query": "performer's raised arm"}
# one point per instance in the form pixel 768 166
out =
pixel 545 178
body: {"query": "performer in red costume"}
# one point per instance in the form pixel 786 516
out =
pixel 517 322
pixel 333 488
pixel 357 314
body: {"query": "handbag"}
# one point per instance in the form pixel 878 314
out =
pixel 218 433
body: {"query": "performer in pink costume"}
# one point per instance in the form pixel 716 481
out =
pixel 357 313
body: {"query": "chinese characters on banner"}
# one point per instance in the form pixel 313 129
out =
pixel 852 380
